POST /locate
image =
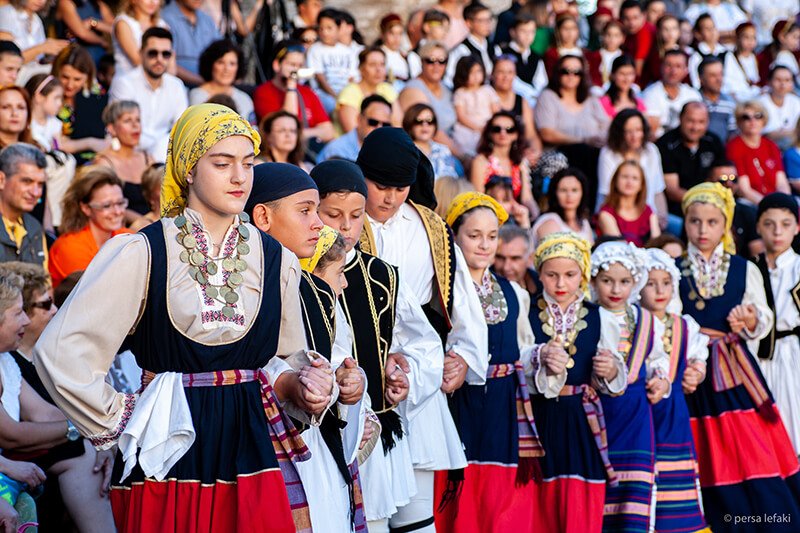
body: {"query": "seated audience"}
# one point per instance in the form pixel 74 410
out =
pixel 625 212
pixel 221 64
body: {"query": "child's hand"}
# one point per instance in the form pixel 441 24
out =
pixel 603 365
pixel 693 376
pixel 554 357
pixel 657 387
pixel 743 316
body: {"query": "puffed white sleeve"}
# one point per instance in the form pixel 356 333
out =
pixel 525 338
pixel 469 336
pixel 609 340
pixel 754 294
pixel 696 342
pixel 78 346
pixel 414 337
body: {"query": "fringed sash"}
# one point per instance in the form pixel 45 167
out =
pixel 678 334
pixel 641 344
pixel 287 442
pixel 597 423
pixel 732 367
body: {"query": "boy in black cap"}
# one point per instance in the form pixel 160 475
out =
pixel 386 320
pixel 780 267
pixel 283 203
pixel 418 242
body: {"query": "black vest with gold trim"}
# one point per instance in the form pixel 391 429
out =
pixel 766 347
pixel 370 303
pixel 318 303
pixel 443 255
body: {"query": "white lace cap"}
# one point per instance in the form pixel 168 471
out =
pixel 660 260
pixel 626 254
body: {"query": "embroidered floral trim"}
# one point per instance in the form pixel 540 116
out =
pixel 493 302
pixel 102 441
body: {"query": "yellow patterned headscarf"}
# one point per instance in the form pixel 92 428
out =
pixel 570 246
pixel 720 197
pixel 470 200
pixel 327 236
pixel 199 128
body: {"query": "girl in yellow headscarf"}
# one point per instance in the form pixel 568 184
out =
pixel 501 444
pixel 744 452
pixel 569 373
pixel 206 302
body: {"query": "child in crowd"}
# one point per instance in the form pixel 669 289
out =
pixel 530 67
pixel 475 103
pixel 435 25
pixel 152 178
pixel 669 243
pixel 334 64
pixel 625 212
pixel 668 36
pixel 47 96
pixel 568 372
pixel 10 63
pixel 785 44
pixel 391 42
pixel 726 14
pixel 495 420
pixel 328 260
pixel 780 267
pixel 747 462
pixel 567 36
pixel 654 10
pixel 612 39
pixel 742 75
pixel 479 23
pixel 349 34
pixel 707 45
pixel 678 507
pixel 619 271
pixel 135 17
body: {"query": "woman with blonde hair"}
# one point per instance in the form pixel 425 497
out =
pixel 446 189
pixel 93 212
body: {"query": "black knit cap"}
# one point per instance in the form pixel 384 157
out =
pixel 778 200
pixel 389 157
pixel 337 175
pixel 273 181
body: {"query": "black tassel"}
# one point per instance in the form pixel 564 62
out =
pixel 528 469
pixel 455 482
pixel 391 429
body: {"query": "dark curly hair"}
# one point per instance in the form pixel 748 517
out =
pixel 215 51
pixel 517 151
pixel 616 131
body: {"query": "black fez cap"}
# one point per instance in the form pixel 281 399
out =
pixel 337 175
pixel 388 156
pixel 778 200
pixel 273 181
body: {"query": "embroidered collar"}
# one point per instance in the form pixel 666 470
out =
pixel 563 320
pixel 493 302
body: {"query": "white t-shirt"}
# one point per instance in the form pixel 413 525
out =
pixel 766 13
pixel 668 111
pixel 781 118
pixel 28 31
pixel 47 133
pixel 338 63
pixel 741 77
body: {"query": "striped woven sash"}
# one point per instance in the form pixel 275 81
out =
pixel 287 442
pixel 732 367
pixel 597 423
pixel 529 443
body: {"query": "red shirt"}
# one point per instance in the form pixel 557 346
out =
pixel 268 98
pixel 760 164
pixel 634 231
pixel 638 44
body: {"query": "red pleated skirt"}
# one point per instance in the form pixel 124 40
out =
pixel 255 503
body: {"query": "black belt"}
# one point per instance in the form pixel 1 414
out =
pixel 783 334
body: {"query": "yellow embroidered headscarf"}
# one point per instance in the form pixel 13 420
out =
pixel 720 197
pixel 199 128
pixel 470 200
pixel 570 246
pixel 327 236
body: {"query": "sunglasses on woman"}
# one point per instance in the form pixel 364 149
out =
pixel 754 116
pixel 44 305
pixel 432 61
pixel 427 121
pixel 570 72
pixel 497 129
